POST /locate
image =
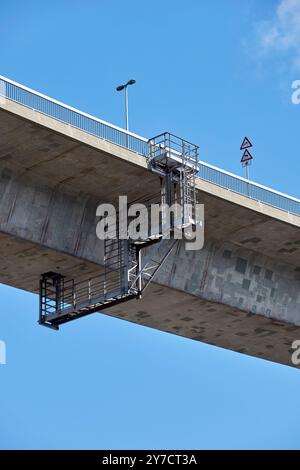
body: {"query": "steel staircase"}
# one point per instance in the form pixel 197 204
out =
pixel 124 276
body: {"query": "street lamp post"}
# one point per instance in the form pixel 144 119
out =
pixel 124 87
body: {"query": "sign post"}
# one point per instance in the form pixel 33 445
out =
pixel 247 158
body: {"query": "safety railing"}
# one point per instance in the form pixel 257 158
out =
pixel 71 116
pixel 97 127
pixel 60 296
pixel 248 188
pixel 171 146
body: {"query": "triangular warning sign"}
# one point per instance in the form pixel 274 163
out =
pixel 246 157
pixel 246 144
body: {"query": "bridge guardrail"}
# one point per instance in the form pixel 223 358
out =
pixel 249 189
pixel 80 120
pixel 72 116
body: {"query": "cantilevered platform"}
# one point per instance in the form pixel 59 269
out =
pixel 240 292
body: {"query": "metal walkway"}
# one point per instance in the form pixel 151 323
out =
pixel 125 275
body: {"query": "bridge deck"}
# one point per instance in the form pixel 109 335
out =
pixel 45 156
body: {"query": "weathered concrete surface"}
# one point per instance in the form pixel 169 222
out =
pixel 239 292
pixel 228 274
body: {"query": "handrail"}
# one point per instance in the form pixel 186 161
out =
pixel 138 144
pixel 64 113
pixel 253 183
pixel 248 188
pixel 37 93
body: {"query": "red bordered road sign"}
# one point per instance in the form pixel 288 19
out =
pixel 246 144
pixel 247 157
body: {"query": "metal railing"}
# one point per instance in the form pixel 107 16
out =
pixel 73 117
pixel 173 146
pixel 97 127
pixel 60 296
pixel 248 188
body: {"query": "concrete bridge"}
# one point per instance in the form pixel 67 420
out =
pixel 241 292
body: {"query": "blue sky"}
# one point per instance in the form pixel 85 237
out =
pixel 209 71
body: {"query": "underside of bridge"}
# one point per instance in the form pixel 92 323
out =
pixel 240 292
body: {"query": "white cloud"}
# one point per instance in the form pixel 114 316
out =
pixel 282 33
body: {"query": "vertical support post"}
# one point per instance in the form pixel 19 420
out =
pixel 2 92
pixel 152 150
pixel 140 271
pixel 73 294
pixel 170 194
pixel 247 171
pixel 126 109
pixel 126 115
pixel 41 300
pixel 57 281
pixel 247 177
pixel 51 299
pixel 125 266
pixel 163 198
